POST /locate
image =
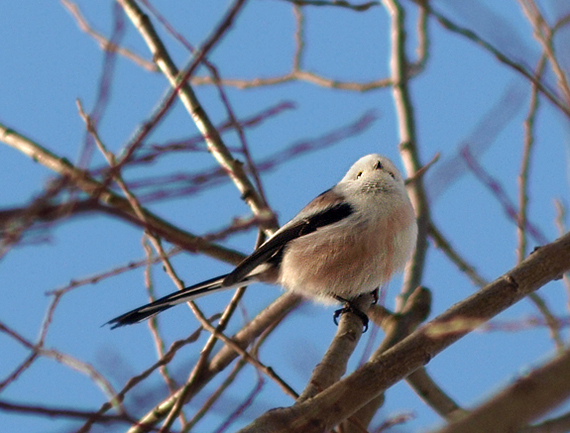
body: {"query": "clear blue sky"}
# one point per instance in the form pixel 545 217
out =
pixel 48 63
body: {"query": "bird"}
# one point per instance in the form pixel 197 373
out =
pixel 348 241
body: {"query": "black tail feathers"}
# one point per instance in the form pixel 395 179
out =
pixel 149 310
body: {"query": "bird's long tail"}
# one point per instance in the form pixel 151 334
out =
pixel 184 295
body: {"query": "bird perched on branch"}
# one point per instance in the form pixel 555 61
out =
pixel 348 241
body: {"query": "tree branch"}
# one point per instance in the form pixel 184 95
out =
pixel 527 399
pixel 345 397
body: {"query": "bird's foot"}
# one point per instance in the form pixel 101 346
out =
pixel 349 307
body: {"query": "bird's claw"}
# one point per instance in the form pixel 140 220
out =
pixel 349 308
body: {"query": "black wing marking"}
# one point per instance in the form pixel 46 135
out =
pixel 275 244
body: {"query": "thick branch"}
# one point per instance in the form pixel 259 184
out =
pixel 525 400
pixel 334 362
pixel 345 397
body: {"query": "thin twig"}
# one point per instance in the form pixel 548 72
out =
pixel 559 221
pixel 335 3
pixel 104 43
pixel 89 185
pixel 153 323
pixel 543 34
pixel 223 97
pixel 267 319
pixel 214 396
pixel 54 412
pixel 179 82
pixel 408 145
pixel 501 57
pixel 525 165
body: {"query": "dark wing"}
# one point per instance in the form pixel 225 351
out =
pixel 290 231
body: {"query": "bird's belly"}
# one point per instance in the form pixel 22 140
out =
pixel 322 266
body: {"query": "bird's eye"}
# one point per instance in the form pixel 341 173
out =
pixel 378 166
pixel 359 175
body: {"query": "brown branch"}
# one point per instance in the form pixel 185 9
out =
pixel 498 191
pixel 422 50
pixel 345 397
pixel 559 424
pixel 14 225
pixel 300 75
pixel 430 392
pixel 333 364
pixel 24 365
pixel 221 91
pixel 121 205
pixel 215 395
pixel 54 412
pixel 155 241
pixel 62 358
pixel 153 322
pixel 543 34
pixel 271 315
pixel 408 146
pixel 335 3
pixel 145 374
pixel 178 81
pixel 559 221
pixel 198 181
pixel 521 69
pixel 525 164
pixel 445 246
pixel 396 327
pixel 103 42
pixel 297 72
pixel 527 399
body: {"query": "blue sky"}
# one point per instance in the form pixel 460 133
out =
pixel 49 63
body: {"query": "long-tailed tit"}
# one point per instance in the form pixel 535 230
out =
pixel 347 242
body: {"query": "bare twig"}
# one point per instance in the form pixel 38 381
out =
pixel 501 57
pixel 497 191
pixel 178 81
pixel 560 216
pixel 195 182
pixel 64 412
pixel 407 132
pixel 336 3
pixel 153 323
pixel 444 245
pixel 86 183
pixel 145 374
pixel 223 97
pixel 215 395
pixel 64 359
pixel 509 208
pixel 433 395
pixel 525 165
pixel 104 43
pixel 543 34
pixel 273 314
